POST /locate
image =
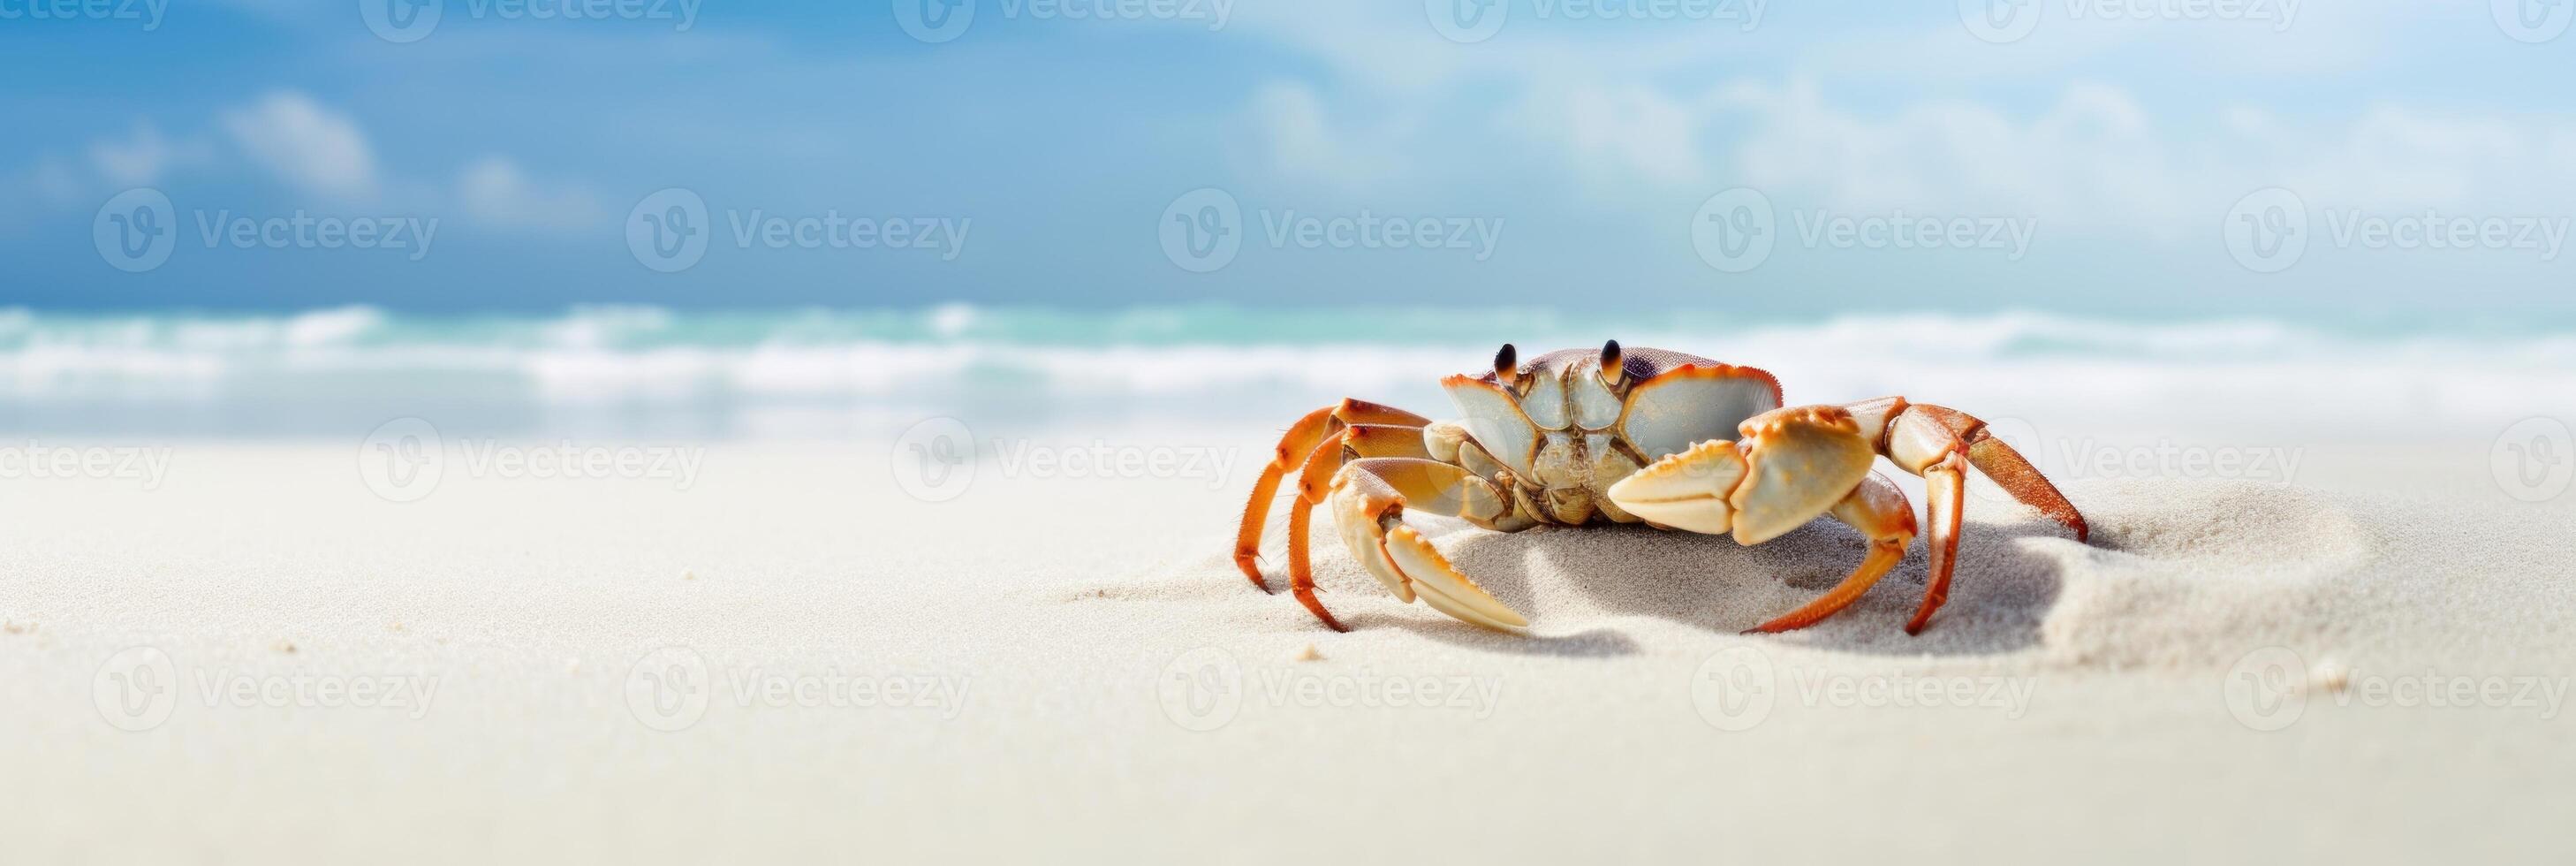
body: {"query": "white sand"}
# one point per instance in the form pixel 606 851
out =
pixel 1041 618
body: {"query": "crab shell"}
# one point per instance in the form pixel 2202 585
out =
pixel 1568 424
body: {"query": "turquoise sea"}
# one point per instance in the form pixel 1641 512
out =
pixel 644 371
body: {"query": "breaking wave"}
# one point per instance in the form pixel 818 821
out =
pixel 651 371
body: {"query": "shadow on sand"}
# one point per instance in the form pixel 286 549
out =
pixel 2005 584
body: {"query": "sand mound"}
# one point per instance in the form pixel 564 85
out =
pixel 2178 573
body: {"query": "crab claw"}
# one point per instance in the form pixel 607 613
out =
pixel 1685 490
pixel 1369 499
pixel 1442 586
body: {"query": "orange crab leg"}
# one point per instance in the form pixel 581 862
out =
pixel 2009 470
pixel 1940 443
pixel 1794 464
pixel 1944 483
pixel 1294 448
pixel 1315 481
pixel 1879 510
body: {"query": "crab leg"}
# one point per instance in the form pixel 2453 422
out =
pixel 1940 443
pixel 1798 463
pixel 1919 435
pixel 1314 482
pixel 1369 498
pixel 1294 448
pixel 1942 483
pixel 2009 470
pixel 1879 510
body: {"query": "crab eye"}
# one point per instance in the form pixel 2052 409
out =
pixel 1545 402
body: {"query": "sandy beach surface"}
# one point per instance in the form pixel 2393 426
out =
pixel 820 651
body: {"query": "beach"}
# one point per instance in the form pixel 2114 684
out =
pixel 821 432
pixel 834 650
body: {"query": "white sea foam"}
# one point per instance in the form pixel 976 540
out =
pixel 838 374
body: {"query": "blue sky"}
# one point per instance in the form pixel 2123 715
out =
pixel 2064 160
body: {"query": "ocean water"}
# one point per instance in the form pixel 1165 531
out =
pixel 629 372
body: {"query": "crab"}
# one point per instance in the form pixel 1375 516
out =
pixel 1675 441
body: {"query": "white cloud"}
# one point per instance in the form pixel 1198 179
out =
pixel 2205 41
pixel 1304 145
pixel 1391 48
pixel 1629 114
pixel 1632 116
pixel 2398 157
pixel 56 183
pixel 2092 158
pixel 137 161
pixel 1611 133
pixel 314 150
pixel 308 146
pixel 495 190
pixel 2096 160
